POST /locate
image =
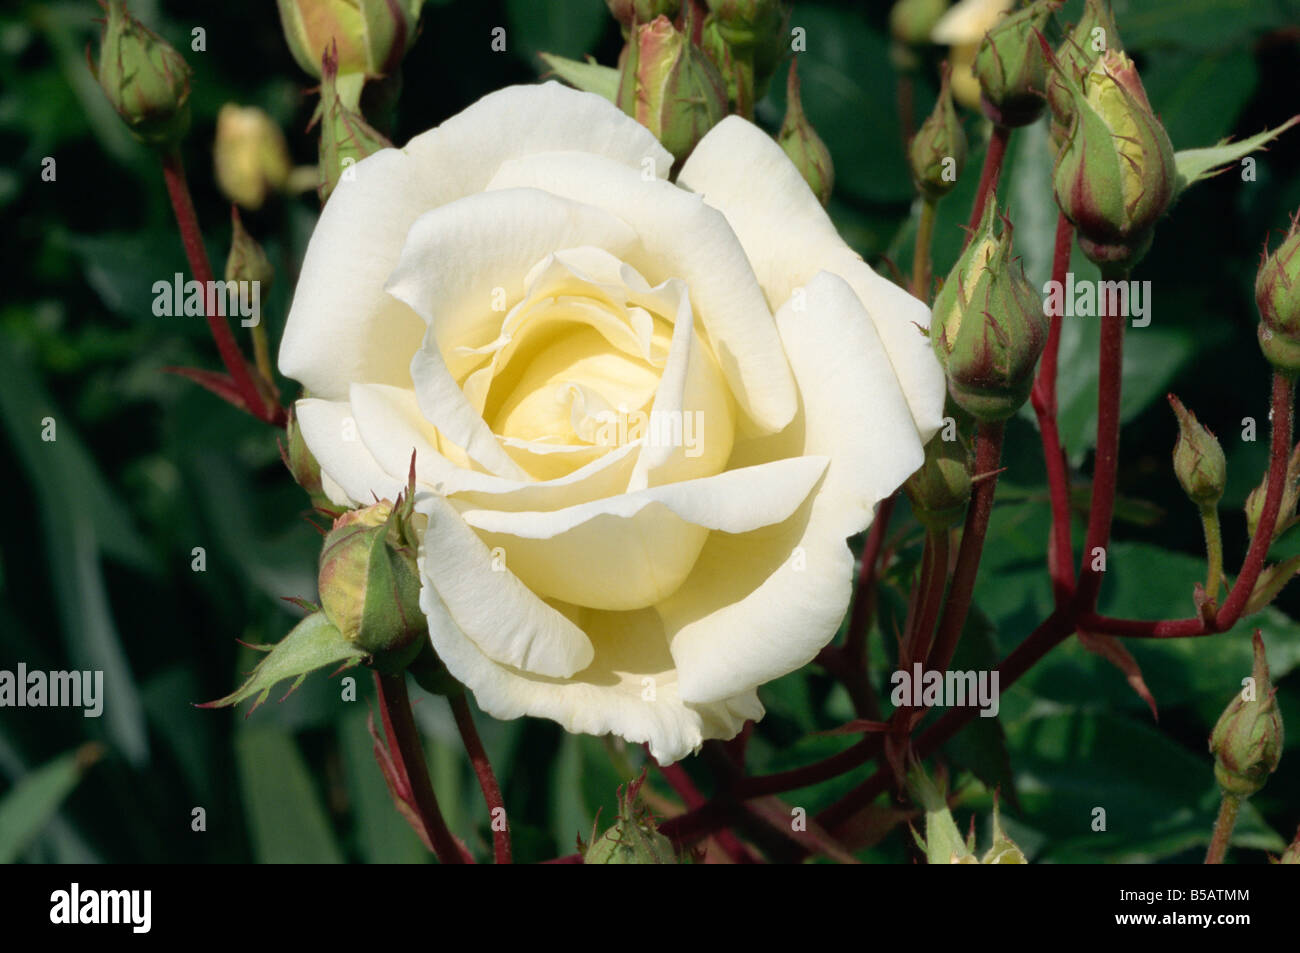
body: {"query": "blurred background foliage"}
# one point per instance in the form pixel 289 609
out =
pixel 97 542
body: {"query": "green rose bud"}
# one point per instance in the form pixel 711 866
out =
pixel 669 86
pixel 1247 741
pixel 1011 66
pixel 1086 42
pixel 988 328
pixel 746 21
pixel 369 583
pixel 940 489
pixel 937 152
pixel 1277 293
pixel 910 21
pixel 627 12
pixel 1290 498
pixel 345 137
pixel 304 468
pixel 372 36
pixel 144 78
pixel 633 838
pixel 247 261
pixel 1115 174
pixel 802 144
pixel 1199 462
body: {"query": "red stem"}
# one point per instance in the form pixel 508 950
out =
pixel 988 457
pixel 187 222
pixel 1106 465
pixel 487 779
pixel 408 754
pixel 1060 554
pixel 989 175
pixel 681 782
pixel 934 578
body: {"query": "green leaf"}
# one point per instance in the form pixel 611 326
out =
pixel 590 76
pixel 313 643
pixel 1194 165
pixel 285 816
pixel 564 27
pixel 1197 24
pixel 34 800
pixel 1159 799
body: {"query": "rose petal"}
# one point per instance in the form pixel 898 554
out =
pixel 629 551
pixel 507 621
pixel 762 604
pixel 789 237
pixel 681 237
pixel 629 690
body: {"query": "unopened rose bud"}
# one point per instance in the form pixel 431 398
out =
pixel 633 838
pixel 910 21
pixel 802 144
pixel 744 21
pixel 1277 293
pixel 369 583
pixel 1248 738
pixel 1199 462
pixel 144 78
pixel 303 467
pixel 669 86
pixel 988 328
pixel 937 153
pixel 250 156
pixel 1087 40
pixel 1115 174
pixel 943 843
pixel 746 40
pixel 345 137
pixel 372 36
pixel 627 12
pixel 940 489
pixel 1290 498
pixel 1011 66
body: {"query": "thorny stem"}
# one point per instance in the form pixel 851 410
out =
pixel 1223 826
pixel 192 238
pixel 408 753
pixel 487 779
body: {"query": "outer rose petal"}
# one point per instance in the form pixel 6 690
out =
pixel 630 689
pixel 509 623
pixel 756 607
pixel 788 237
pixel 342 327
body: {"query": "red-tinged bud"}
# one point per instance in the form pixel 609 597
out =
pixel 937 154
pixel 372 36
pixel 144 78
pixel 802 144
pixel 1290 498
pixel 988 328
pixel 1086 42
pixel 1199 462
pixel 1011 66
pixel 1115 175
pixel 669 86
pixel 1247 741
pixel 627 12
pixel 1277 293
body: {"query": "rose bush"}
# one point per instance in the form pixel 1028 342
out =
pixel 647 416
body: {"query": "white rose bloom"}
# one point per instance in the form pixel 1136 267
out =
pixel 646 416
